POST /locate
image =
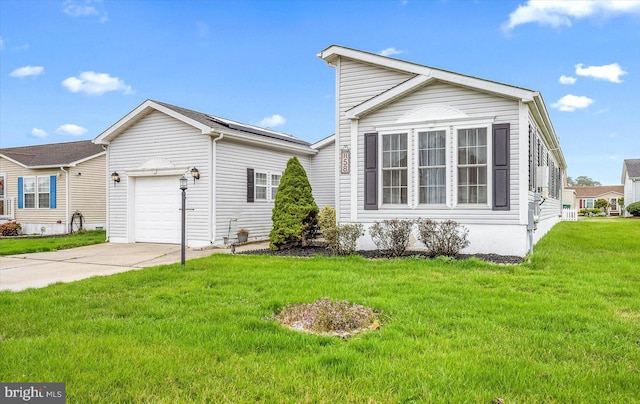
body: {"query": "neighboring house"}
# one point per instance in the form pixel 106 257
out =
pixel 631 181
pixel 239 168
pixel 586 197
pixel 416 141
pixel 42 186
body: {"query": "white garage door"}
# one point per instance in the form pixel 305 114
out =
pixel 157 212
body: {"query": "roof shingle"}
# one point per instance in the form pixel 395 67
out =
pixel 54 154
pixel 633 167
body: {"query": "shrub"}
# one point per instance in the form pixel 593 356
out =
pixel 392 236
pixel 295 211
pixel 10 229
pixel 340 239
pixel 328 316
pixel 634 208
pixel 442 239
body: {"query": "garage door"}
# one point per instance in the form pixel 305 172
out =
pixel 157 210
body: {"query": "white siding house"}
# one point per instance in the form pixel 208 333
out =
pixel 239 168
pixel 425 142
pixel 631 181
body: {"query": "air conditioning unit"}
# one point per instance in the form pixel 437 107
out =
pixel 542 177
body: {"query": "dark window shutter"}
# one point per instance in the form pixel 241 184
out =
pixel 371 171
pixel 501 133
pixel 250 181
pixel 52 192
pixel 20 193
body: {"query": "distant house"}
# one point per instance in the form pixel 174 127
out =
pixel 42 186
pixel 631 180
pixel 586 197
pixel 416 141
pixel 233 168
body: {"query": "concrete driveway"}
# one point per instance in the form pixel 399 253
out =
pixel 35 270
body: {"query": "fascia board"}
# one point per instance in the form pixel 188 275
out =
pixel 272 143
pixel 322 143
pixel 13 161
pixel 143 109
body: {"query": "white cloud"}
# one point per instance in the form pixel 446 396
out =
pixel 27 71
pixel 570 103
pixel 567 80
pixel 610 72
pixel 71 129
pixel 558 13
pixel 83 8
pixel 390 52
pixel 93 83
pixel 39 133
pixel 273 121
pixel 203 29
pixel 79 8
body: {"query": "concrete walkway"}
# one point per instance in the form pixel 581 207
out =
pixel 35 270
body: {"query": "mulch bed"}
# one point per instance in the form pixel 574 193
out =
pixel 319 248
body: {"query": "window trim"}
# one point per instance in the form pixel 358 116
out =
pixel 451 127
pixel 269 195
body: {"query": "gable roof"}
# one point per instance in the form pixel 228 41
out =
pixel 632 168
pixel 424 75
pixel 596 191
pixel 53 155
pixel 207 124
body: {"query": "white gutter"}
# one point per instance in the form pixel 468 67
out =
pixel 212 186
pixel 66 198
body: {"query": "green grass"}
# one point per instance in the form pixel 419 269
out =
pixel 563 328
pixel 10 246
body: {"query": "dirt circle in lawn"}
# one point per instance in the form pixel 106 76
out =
pixel 329 317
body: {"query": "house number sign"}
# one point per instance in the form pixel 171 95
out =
pixel 345 161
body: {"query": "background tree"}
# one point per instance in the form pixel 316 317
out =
pixel 602 204
pixel 295 211
pixel 584 181
pixel 571 182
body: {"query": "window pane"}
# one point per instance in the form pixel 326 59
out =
pixel 43 184
pixel 29 184
pixel 261 179
pixel 43 201
pixel 29 200
pixel 261 193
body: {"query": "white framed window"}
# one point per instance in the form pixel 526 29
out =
pixel 394 169
pixel 472 166
pixel 275 183
pixel 29 193
pixel 43 192
pixel 588 203
pixel 266 185
pixel 432 167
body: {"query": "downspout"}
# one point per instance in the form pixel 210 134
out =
pixel 66 199
pixel 212 186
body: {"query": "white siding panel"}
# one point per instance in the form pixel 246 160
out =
pixel 358 83
pixel 233 212
pixel 159 135
pixel 323 176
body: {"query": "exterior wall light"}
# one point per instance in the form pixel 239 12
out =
pixel 115 177
pixel 195 174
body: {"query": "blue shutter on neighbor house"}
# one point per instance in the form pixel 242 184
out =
pixel 20 194
pixel 52 192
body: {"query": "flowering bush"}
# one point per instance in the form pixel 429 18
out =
pixel 337 317
pixel 10 229
pixel 442 239
pixel 392 236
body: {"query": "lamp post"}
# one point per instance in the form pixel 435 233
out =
pixel 183 187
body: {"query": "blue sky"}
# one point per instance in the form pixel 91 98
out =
pixel 71 68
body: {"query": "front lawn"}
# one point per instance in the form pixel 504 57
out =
pixel 564 328
pixel 19 245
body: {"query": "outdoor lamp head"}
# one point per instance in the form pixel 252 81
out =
pixel 195 174
pixel 115 177
pixel 183 183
